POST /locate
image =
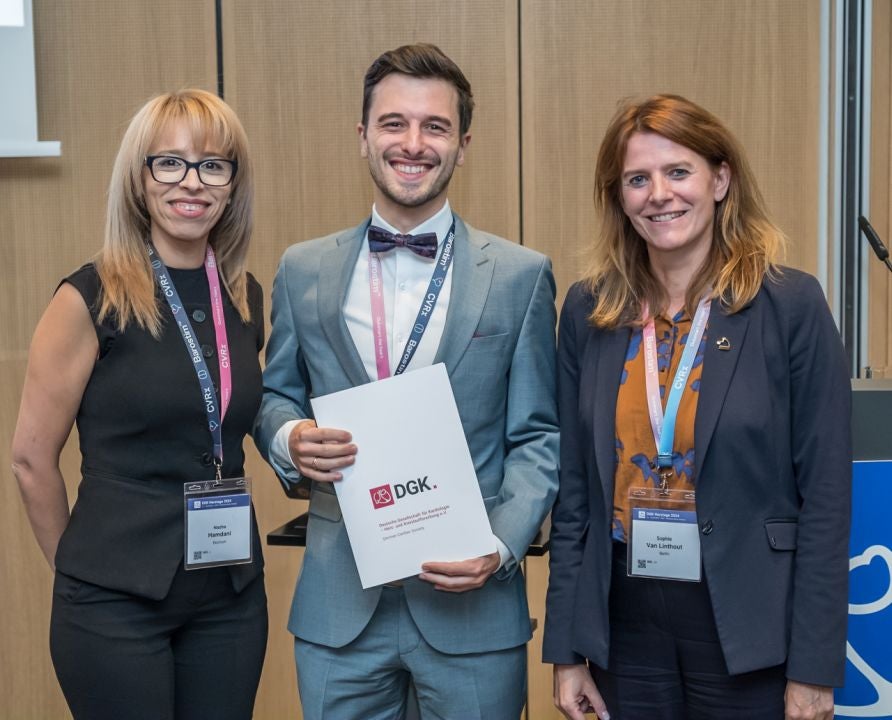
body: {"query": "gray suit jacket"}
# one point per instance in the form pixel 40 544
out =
pixel 498 348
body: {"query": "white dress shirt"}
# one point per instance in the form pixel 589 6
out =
pixel 406 277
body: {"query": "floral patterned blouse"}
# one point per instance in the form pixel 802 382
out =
pixel 636 452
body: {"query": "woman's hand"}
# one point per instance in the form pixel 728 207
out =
pixel 807 702
pixel 575 693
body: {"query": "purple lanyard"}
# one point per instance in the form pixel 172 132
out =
pixel 663 424
pixel 215 412
pixel 379 319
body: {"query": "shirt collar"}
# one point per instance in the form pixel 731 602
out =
pixel 680 318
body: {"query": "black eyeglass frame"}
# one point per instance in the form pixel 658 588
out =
pixel 189 165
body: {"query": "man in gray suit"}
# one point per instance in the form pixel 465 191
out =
pixel 355 306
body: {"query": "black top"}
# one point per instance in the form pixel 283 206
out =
pixel 143 434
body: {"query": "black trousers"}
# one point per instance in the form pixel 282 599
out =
pixel 195 654
pixel 665 660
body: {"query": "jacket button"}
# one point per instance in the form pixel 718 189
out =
pixel 198 315
pixel 207 351
pixel 707 527
pixel 206 459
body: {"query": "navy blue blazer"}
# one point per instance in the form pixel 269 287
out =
pixel 773 473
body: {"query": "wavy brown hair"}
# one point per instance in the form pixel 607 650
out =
pixel 746 245
pixel 128 284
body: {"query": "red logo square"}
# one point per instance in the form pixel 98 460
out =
pixel 382 496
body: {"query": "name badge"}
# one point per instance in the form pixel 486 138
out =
pixel 218 523
pixel 664 539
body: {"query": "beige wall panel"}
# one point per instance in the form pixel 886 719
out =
pixel 754 63
pixel 879 334
pixel 540 705
pixel 96 63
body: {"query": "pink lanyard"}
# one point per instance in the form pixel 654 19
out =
pixel 379 320
pixel 210 267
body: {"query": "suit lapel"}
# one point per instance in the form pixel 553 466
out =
pixel 608 356
pixel 472 271
pixel 718 369
pixel 335 269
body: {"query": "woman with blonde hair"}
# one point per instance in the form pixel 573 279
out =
pixel 159 607
pixel 699 546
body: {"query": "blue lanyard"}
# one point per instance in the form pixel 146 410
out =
pixel 211 406
pixel 663 422
pixel 379 329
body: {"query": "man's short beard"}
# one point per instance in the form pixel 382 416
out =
pixel 441 184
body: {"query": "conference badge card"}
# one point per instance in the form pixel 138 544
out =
pixel 412 495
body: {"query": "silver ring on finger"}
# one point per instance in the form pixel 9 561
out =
pixel 315 466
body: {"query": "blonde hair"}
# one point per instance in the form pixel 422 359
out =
pixel 128 284
pixel 746 245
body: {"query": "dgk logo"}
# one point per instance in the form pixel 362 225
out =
pixel 381 496
pixel 385 495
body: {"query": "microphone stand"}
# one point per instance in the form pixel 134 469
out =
pixel 881 251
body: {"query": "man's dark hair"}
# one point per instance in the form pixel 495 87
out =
pixel 421 60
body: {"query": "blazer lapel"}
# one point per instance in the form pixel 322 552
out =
pixel 335 269
pixel 718 369
pixel 608 356
pixel 472 271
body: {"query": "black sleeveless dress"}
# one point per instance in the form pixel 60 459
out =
pixel 143 434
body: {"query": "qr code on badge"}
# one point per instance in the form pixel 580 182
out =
pixel 642 564
pixel 196 556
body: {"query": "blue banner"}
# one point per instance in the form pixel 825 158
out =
pixel 868 689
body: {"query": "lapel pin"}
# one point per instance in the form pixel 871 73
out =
pixel 723 343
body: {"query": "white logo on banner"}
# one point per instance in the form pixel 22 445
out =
pixel 882 706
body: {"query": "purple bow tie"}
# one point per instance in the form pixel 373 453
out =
pixel 424 244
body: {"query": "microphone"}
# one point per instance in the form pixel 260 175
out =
pixel 881 251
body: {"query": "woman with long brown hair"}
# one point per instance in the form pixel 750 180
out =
pixel 699 546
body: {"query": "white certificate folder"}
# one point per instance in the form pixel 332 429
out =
pixel 412 495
